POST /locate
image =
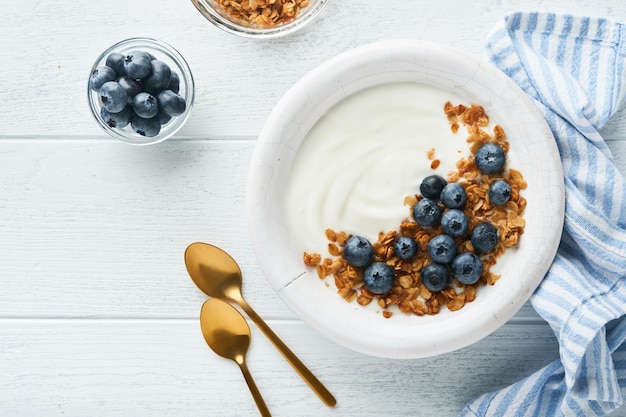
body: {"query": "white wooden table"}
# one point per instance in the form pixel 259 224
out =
pixel 98 316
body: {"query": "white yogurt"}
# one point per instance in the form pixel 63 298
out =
pixel 364 156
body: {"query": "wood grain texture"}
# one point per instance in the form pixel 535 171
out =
pixel 97 314
pixel 111 222
pixel 238 80
pixel 163 368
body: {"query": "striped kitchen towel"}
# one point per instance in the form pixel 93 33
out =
pixel 573 69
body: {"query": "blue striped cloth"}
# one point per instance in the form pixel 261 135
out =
pixel 573 69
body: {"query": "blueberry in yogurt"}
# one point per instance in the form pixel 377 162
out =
pixel 499 192
pixel 490 158
pixel 378 278
pixel 358 251
pixel 442 249
pixel 405 248
pixel 484 237
pixel 453 195
pixel 467 268
pixel 435 277
pixel 454 222
pixel 427 212
pixel 431 186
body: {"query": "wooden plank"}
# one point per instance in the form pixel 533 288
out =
pixel 237 80
pixel 96 230
pixel 162 367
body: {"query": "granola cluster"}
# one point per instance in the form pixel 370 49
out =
pixel 408 292
pixel 263 13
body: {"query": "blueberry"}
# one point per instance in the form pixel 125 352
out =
pixel 484 237
pixel 115 60
pixel 358 251
pixel 453 195
pixel 113 96
pixel 467 268
pixel 378 278
pixel 174 84
pixel 131 85
pixel 442 249
pixel 159 77
pixel 119 119
pixel 454 222
pixel 171 103
pixel 431 186
pixel 435 277
pixel 146 127
pixel 490 158
pixel 499 192
pixel 145 105
pixel 405 248
pixel 164 118
pixel 137 64
pixel 101 75
pixel 427 212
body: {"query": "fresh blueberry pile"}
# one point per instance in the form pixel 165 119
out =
pixel 440 209
pixel 405 248
pixel 442 205
pixel 378 277
pixel 137 89
pixel 443 248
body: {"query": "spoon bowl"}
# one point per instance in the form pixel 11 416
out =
pixel 217 274
pixel 214 271
pixel 225 331
pixel 227 334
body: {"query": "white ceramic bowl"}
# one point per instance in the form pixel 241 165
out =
pixel 532 151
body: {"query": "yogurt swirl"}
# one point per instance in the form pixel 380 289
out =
pixel 363 157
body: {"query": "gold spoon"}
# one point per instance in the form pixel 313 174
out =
pixel 227 333
pixel 217 274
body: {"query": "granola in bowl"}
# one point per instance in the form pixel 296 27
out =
pixel 260 19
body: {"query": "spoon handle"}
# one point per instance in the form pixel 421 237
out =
pixel 293 360
pixel 256 394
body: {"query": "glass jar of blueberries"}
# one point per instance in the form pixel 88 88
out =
pixel 141 91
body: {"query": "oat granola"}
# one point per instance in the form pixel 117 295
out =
pixel 263 13
pixel 408 293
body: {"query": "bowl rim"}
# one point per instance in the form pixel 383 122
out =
pixel 184 73
pixel 234 28
pixel 288 280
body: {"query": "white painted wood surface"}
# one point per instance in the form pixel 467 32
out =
pixel 97 314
